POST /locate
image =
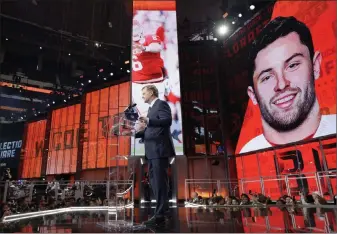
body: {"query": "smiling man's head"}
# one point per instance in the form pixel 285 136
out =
pixel 283 70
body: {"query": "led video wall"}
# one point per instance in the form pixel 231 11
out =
pixel 33 149
pixel 286 62
pixel 292 94
pixel 155 62
pixel 63 140
pixel 103 109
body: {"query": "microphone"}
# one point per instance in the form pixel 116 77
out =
pixel 132 105
pixel 130 113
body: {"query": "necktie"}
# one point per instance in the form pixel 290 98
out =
pixel 148 111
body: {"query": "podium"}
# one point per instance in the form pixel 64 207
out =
pixel 120 184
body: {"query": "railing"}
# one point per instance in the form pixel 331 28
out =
pixel 31 198
pixel 282 183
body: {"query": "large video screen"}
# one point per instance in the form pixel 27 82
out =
pixel 102 111
pixel 280 89
pixel 33 149
pixel 292 76
pixel 155 62
pixel 63 140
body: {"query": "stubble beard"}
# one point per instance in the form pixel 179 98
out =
pixel 284 122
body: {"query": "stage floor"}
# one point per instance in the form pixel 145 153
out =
pixel 187 220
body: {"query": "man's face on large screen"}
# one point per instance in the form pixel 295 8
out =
pixel 283 81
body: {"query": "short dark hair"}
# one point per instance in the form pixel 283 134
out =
pixel 279 27
pixel 152 88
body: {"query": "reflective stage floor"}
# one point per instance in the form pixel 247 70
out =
pixel 193 220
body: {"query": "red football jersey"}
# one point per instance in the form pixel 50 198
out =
pixel 172 98
pixel 147 66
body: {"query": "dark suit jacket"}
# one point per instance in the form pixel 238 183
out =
pixel 157 135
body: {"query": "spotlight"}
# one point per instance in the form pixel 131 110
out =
pixel 39 112
pixel 21 117
pixel 40 47
pixel 128 71
pixel 97 44
pixel 89 81
pixel 233 22
pixel 6 39
pixel 65 100
pixel 240 15
pixel 69 54
pixel 111 74
pixel 252 7
pixel 215 39
pixel 223 29
pixel 127 62
pixel 104 78
pixel 121 68
pixel 97 75
pixel 53 102
pixel 82 84
pixel 48 104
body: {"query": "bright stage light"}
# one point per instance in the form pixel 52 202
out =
pixel 252 7
pixel 240 15
pixel 223 29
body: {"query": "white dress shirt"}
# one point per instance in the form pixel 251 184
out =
pixel 153 102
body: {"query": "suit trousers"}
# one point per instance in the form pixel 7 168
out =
pixel 158 175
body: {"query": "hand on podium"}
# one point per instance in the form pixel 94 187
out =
pixel 140 126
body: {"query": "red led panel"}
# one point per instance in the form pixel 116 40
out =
pixel 33 149
pixel 63 140
pixel 100 144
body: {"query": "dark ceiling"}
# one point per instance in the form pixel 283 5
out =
pixel 66 43
pixel 76 36
pixel 63 44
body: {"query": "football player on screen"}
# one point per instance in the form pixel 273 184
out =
pixel 147 65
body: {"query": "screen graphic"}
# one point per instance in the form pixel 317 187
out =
pixel 63 140
pixel 292 75
pixel 291 93
pixel 155 62
pixel 102 111
pixel 33 149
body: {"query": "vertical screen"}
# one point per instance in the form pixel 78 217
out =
pixel 63 140
pixel 33 149
pixel 102 109
pixel 155 62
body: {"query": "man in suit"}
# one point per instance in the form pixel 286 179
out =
pixel 154 129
